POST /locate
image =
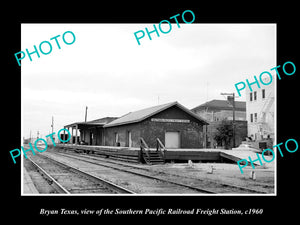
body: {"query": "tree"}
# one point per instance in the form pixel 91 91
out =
pixel 224 133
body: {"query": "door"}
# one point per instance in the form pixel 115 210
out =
pixel 172 139
pixel 129 139
pixel 91 137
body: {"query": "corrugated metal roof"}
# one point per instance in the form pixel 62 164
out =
pixel 142 114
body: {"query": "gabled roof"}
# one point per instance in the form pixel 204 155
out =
pixel 221 105
pixel 143 114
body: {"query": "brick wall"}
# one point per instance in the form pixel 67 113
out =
pixel 218 115
pixel 123 133
pixel 191 133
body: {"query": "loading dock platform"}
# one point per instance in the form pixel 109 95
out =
pixel 236 155
pixel 134 154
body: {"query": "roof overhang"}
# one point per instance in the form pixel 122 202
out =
pixel 84 124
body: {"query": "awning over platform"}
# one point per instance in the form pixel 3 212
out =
pixel 98 123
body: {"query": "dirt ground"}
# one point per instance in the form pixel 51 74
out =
pixel 228 173
pixel 224 173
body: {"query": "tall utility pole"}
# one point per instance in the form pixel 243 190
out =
pixel 231 100
pixel 86 108
pixel 52 125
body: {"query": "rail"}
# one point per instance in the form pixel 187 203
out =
pixel 160 147
pixel 57 186
pixel 112 186
pixel 145 149
pixel 120 167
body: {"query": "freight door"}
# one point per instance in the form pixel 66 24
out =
pixel 172 140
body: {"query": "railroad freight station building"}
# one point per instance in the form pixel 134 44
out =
pixel 175 126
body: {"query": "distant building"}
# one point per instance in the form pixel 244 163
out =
pixel 260 111
pixel 175 125
pixel 215 111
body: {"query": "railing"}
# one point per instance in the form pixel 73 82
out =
pixel 160 147
pixel 266 108
pixel 145 149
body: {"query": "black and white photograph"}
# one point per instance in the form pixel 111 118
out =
pixel 158 117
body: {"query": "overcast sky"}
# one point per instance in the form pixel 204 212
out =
pixel 106 70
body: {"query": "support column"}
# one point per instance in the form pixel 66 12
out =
pixel 205 136
pixel 72 135
pixel 64 135
pixel 76 132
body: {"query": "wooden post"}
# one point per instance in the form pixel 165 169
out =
pixel 76 134
pixel 205 136
pixel 86 108
pixel 72 135
pixel 64 135
pixel 52 125
pixel 233 119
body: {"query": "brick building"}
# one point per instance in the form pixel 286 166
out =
pixel 175 126
pixel 172 123
pixel 215 111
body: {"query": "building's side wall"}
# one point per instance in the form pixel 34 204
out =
pixel 227 114
pixel 85 135
pixel 263 126
pixel 123 133
pixel 97 136
pixel 218 115
pixel 92 136
pixel 191 133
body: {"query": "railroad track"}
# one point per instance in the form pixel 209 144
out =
pixel 154 184
pixel 133 169
pixel 67 179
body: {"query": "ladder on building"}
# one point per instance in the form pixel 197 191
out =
pixel 264 127
pixel 266 108
pixel 152 157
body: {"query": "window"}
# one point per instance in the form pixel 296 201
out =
pixel 263 92
pixel 251 118
pixel 254 95
pixel 255 117
pixel 251 97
